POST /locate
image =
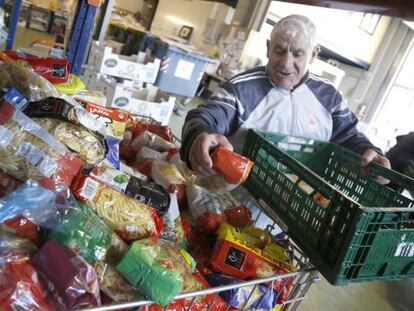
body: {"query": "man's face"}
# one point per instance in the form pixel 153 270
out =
pixel 289 52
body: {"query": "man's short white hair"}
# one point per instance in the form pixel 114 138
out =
pixel 296 21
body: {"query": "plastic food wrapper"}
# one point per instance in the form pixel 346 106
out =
pixel 148 153
pixel 55 70
pixel 151 140
pixel 73 279
pixel 139 126
pixel 20 288
pixel 72 86
pixel 173 157
pixel 29 151
pixel 156 269
pixel 131 219
pixel 168 176
pixel 144 191
pixel 95 97
pixel 81 230
pixel 113 284
pixel 144 167
pixel 236 254
pixel 125 150
pixel 247 297
pixel 131 171
pixel 14 248
pixel 24 228
pixel 27 82
pixel 234 167
pixel 7 183
pixel 89 146
pixel 14 97
pixel 173 227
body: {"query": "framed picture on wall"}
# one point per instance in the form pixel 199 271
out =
pixel 185 32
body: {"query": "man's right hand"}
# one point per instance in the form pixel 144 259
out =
pixel 200 152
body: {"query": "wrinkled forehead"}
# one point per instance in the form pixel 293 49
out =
pixel 292 35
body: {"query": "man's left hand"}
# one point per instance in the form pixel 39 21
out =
pixel 371 155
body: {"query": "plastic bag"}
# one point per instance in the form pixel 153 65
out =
pixel 233 167
pixel 173 227
pixel 14 248
pixel 143 191
pixel 81 230
pixel 29 151
pixel 73 279
pixel 155 269
pixel 235 255
pixel 148 153
pixel 27 82
pixel 24 228
pixel 151 140
pixel 173 157
pixel 131 219
pixel 55 70
pixel 167 175
pixel 20 288
pixel 140 125
pixel 7 183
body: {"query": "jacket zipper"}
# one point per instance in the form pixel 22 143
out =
pixel 292 127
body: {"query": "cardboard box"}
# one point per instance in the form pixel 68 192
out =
pixel 136 67
pixel 148 101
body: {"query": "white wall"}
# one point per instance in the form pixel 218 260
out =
pixel 172 14
pixel 338 29
pixel 130 5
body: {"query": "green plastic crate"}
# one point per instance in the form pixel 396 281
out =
pixel 366 232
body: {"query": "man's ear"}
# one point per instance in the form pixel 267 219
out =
pixel 315 53
pixel 268 47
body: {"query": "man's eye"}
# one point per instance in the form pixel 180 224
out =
pixel 278 50
pixel 298 54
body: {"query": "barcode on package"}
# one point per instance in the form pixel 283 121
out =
pixel 89 189
pixel 405 249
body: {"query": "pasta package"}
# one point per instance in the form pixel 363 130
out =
pixel 156 269
pixel 113 284
pixel 24 228
pixel 20 288
pixel 143 191
pixel 131 219
pixel 89 146
pixel 55 70
pixel 168 176
pixel 151 140
pixel 29 151
pixel 27 82
pixel 173 157
pixel 235 255
pixel 173 227
pixel 14 248
pixel 233 167
pixel 7 183
pixel 72 279
pixel 138 126
pixel 81 230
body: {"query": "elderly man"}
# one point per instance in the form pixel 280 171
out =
pixel 282 97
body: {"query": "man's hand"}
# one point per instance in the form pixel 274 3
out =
pixel 200 152
pixel 371 155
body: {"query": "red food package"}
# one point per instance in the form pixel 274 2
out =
pixel 235 255
pixel 144 167
pixel 234 167
pixel 140 126
pixel 73 279
pixel 56 70
pixel 7 183
pixel 131 219
pixel 20 288
pixel 152 141
pixel 24 228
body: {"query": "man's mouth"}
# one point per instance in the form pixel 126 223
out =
pixel 284 74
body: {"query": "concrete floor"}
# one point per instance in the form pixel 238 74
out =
pixel 25 36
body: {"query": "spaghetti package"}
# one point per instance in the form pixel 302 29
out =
pixel 29 151
pixel 20 288
pixel 157 269
pixel 73 280
pixel 173 157
pixel 173 228
pixel 143 191
pixel 55 70
pixel 81 230
pixel 131 219
pixel 236 255
pixel 168 176
pixel 233 167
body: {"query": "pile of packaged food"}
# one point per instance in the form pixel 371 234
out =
pixel 97 208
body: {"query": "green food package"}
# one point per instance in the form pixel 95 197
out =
pixel 82 231
pixel 153 270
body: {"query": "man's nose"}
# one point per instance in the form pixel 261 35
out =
pixel 286 60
